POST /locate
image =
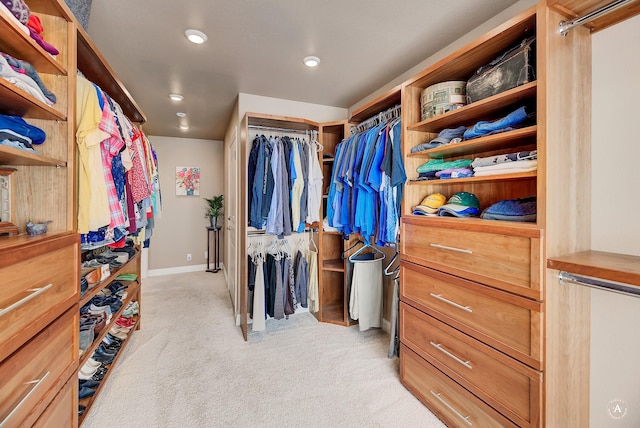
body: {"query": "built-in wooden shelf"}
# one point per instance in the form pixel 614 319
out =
pixel 602 265
pixel 489 178
pixel 480 110
pixel 19 44
pixel 501 141
pixel 377 105
pixel 336 265
pixel 15 102
pixel 13 156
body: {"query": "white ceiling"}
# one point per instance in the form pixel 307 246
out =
pixel 257 46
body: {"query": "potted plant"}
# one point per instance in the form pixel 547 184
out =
pixel 214 209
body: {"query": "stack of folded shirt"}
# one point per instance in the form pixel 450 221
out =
pixel 454 173
pixel 510 163
pixel 446 136
pixel 510 122
pixel 23 75
pixel 523 209
pixel 435 165
pixel 16 132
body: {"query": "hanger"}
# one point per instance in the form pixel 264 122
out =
pixel 396 270
pixel 358 242
pixel 315 247
pixel 365 246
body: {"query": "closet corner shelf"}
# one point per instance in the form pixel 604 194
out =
pixel 20 45
pixel 325 232
pixel 480 110
pixel 335 265
pixel 335 314
pixel 482 179
pixel 500 141
pixel 381 103
pixel 599 264
pixel 16 102
pixel 88 402
pixel 13 156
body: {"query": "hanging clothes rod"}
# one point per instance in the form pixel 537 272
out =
pixel 262 232
pixel 383 116
pixel 270 128
pixel 616 287
pixel 566 26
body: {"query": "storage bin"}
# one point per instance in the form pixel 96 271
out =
pixel 442 97
pixel 513 68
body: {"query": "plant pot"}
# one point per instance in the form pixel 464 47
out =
pixel 214 221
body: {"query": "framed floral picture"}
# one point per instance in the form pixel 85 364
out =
pixel 187 181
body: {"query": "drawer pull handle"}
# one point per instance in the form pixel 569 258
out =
pixel 440 348
pixel 444 247
pixel 457 305
pixel 34 293
pixel 26 397
pixel 453 409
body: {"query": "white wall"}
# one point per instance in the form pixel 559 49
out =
pixel 615 213
pixel 181 229
pixel 279 107
pixel 489 25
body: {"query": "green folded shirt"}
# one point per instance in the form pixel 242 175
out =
pixel 439 165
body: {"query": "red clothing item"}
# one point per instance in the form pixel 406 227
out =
pixel 35 24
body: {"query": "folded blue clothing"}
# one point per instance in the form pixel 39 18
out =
pixel 21 127
pixel 484 127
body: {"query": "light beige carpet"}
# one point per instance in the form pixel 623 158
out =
pixel 189 367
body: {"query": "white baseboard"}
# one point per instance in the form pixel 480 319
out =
pixel 386 326
pixel 175 270
pixel 180 269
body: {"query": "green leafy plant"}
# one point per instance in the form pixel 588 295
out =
pixel 214 206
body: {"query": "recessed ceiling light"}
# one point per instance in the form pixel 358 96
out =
pixel 184 127
pixel 176 97
pixel 195 36
pixel 181 114
pixel 311 61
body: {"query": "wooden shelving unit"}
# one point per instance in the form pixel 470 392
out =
pixel 598 264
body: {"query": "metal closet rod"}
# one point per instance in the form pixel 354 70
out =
pixel 566 26
pixel 616 287
pixel 271 128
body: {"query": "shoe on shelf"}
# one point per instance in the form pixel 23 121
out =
pixel 85 392
pixel 81 409
pixel 131 310
pixel 125 322
pixel 110 339
pixel 88 383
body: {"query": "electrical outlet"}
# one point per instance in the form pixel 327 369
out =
pixel 206 254
pixel 188 257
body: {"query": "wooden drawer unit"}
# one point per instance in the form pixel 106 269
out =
pixel 503 321
pixel 38 283
pixel 504 383
pixel 63 410
pixel 456 406
pixel 509 260
pixel 35 373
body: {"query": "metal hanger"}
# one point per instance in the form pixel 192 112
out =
pixel 387 272
pixel 365 246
